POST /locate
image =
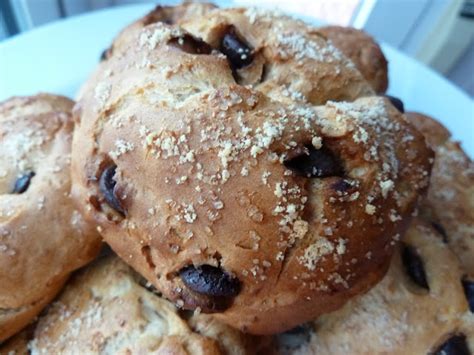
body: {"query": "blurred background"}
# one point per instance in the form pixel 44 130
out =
pixel 438 33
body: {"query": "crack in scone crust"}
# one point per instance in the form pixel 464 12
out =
pixel 202 176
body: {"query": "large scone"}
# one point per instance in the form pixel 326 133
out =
pixel 42 236
pixel 266 212
pixel 450 201
pixel 108 309
pixel 364 52
pixel 418 308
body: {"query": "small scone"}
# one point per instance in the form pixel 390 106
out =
pixel 42 236
pixel 364 52
pixel 109 309
pixel 267 213
pixel 420 307
pixel 450 201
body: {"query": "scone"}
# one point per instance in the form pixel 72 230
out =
pixel 42 236
pixel 418 308
pixel 109 309
pixel 263 212
pixel 450 201
pixel 364 52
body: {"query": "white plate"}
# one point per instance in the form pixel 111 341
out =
pixel 58 57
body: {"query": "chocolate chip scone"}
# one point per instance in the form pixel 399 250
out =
pixel 42 236
pixel 108 309
pixel 278 55
pixel 266 212
pixel 364 52
pixel 450 201
pixel 418 308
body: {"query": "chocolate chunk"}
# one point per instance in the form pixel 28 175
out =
pixel 105 251
pixel 23 182
pixel 397 103
pixel 414 266
pixel 190 44
pixel 104 55
pixel 158 14
pixel 107 187
pixel 469 292
pixel 315 163
pixel 343 186
pixel 207 304
pixel 238 53
pixel 185 314
pixel 455 345
pixel 440 229
pixel 148 286
pixel 210 281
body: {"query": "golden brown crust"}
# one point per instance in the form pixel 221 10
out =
pixel 435 133
pixel 363 51
pixel 107 309
pixel 42 236
pixel 12 320
pixel 201 177
pixel 450 200
pixel 166 14
pixel 397 316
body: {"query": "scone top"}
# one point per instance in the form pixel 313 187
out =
pixel 242 200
